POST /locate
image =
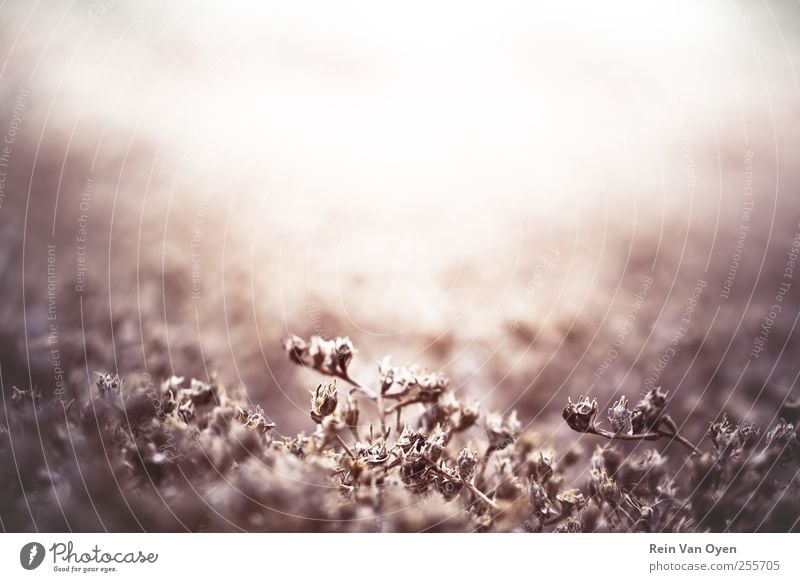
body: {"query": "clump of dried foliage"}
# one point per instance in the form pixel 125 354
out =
pixel 402 454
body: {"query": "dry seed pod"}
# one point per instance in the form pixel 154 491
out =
pixel 324 401
pixel 580 415
pixel 620 417
pixel 467 461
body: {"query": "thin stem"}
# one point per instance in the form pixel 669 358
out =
pixel 403 403
pixel 685 442
pixel 346 448
pixel 667 420
pixel 480 494
pixel 469 486
pixel 376 397
pixel 382 413
pixel 396 395
pixel 648 436
pixel 621 436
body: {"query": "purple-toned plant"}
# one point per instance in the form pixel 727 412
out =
pixel 646 421
pixel 402 454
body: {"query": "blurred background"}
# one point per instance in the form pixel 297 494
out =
pixel 542 201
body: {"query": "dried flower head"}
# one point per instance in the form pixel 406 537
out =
pixel 324 401
pixel 647 412
pixel 451 412
pixel 466 462
pixel 467 416
pixel 580 416
pixel 322 353
pixel 331 357
pixel 783 440
pixel 410 439
pixel 389 376
pixel 170 389
pixel 241 415
pixel 435 383
pixel 435 444
pixel 186 411
pixel 414 471
pixel 350 414
pixel 108 384
pixel 449 488
pixel 200 392
pixel 20 397
pixel 731 440
pixel 620 417
pixel 344 353
pixel 297 349
pixel 542 467
pixel 570 500
pixel 604 487
pixel 502 431
pixel 748 435
pixel 646 422
pixel 410 383
pixel 374 454
pixel 508 485
pixel 256 420
pixel 542 506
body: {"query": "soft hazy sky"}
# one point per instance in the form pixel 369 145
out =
pixel 421 100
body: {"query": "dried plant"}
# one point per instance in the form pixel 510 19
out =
pixel 218 462
pixel 729 485
pixel 646 421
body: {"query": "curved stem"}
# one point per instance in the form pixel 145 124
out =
pixel 667 420
pixel 480 494
pixel 648 436
pixel 363 388
pixel 685 442
pixel 477 492
pixel 621 436
pixel 402 404
pixel 344 444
